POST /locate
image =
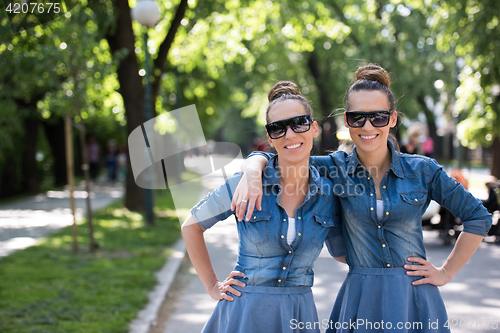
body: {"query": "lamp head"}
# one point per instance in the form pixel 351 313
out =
pixel 146 12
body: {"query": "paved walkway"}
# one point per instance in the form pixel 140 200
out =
pixel 24 221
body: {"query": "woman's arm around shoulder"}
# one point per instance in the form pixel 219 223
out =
pixel 248 193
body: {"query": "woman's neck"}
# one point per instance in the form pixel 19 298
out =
pixel 294 176
pixel 377 162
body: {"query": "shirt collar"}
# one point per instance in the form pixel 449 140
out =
pixel 271 176
pixel 395 161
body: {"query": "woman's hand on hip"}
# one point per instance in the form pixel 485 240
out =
pixel 220 289
pixel 248 195
pixel 436 276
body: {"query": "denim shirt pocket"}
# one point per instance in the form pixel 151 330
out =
pixel 257 229
pixel 413 204
pixel 321 226
pixel 348 195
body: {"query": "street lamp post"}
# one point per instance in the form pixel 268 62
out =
pixel 146 12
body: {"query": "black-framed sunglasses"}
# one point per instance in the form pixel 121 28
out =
pixel 299 124
pixel 377 118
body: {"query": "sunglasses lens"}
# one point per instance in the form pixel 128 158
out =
pixel 377 118
pixel 300 124
pixel 380 119
pixel 355 119
pixel 276 130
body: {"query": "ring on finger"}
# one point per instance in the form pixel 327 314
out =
pixel 245 201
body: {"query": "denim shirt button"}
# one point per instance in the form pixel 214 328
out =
pixel 284 268
pixel 300 234
pixel 371 208
pixel 282 236
pixel 383 245
pixel 279 280
pixel 379 227
pixel 299 217
pixel 384 186
pixel 284 220
pixel 371 194
pixel 289 251
pixel 388 265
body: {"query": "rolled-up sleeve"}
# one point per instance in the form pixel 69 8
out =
pixel 335 242
pixel 216 206
pixel 335 239
pixel 449 193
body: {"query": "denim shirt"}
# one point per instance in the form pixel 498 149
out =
pixel 263 252
pixel 407 188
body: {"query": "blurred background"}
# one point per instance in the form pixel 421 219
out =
pixel 223 56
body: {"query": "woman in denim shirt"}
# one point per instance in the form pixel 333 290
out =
pixel 383 194
pixel 279 244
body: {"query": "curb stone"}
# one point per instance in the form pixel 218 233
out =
pixel 165 276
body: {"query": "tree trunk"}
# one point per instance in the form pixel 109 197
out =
pixel 70 167
pixel 329 139
pixel 131 90
pixel 495 151
pixel 54 131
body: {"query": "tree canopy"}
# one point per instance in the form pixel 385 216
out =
pixel 224 56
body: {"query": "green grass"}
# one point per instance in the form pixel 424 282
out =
pixel 47 288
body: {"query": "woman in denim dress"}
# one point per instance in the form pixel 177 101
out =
pixel 383 194
pixel 279 244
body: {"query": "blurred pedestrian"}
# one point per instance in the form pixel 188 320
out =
pixel 411 147
pixel 122 163
pixel 491 203
pixel 493 206
pixel 428 146
pixel 94 159
pixel 260 144
pixel 111 160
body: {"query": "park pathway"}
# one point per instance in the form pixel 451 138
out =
pixel 24 221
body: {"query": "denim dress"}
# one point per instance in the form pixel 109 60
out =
pixel 278 276
pixel 377 295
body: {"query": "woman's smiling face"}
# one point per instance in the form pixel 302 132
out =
pixel 369 138
pixel 292 147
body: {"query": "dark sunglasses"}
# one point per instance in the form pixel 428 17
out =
pixel 377 118
pixel 298 124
